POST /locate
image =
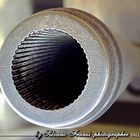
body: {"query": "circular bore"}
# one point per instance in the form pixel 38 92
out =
pixel 104 68
pixel 49 69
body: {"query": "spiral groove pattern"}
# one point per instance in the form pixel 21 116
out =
pixel 49 69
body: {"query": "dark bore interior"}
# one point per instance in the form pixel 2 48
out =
pixel 49 69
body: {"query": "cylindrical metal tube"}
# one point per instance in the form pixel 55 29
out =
pixel 63 68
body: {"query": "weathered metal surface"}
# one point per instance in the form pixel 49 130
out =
pixel 110 68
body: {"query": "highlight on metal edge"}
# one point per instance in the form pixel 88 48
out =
pixel 63 68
